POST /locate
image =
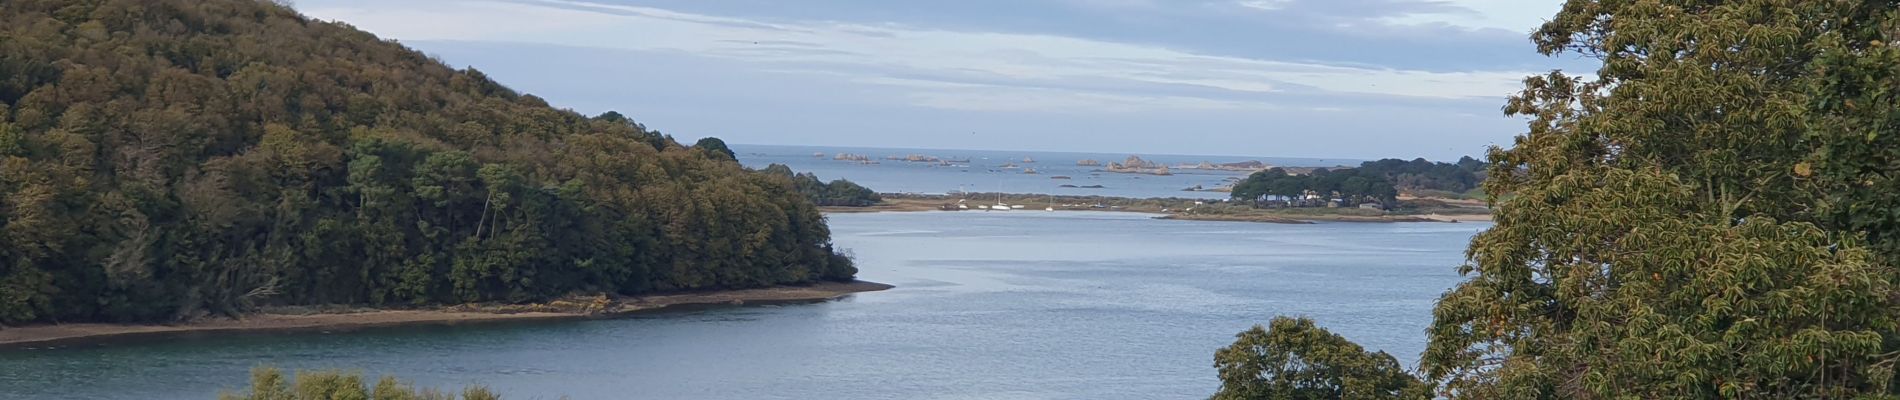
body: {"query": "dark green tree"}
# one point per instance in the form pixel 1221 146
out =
pixel 172 159
pixel 714 146
pixel 1681 225
pixel 1296 360
pixel 1706 217
pixel 838 193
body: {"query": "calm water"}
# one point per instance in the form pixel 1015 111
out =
pixel 1022 305
pixel 984 172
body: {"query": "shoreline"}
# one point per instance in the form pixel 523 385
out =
pixel 279 320
pixel 897 204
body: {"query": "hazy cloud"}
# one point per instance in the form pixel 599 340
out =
pixel 1226 68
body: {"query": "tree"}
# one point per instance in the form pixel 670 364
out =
pixel 838 193
pixel 1419 174
pixel 271 384
pixel 1672 227
pixel 1710 216
pixel 1352 185
pixel 172 159
pixel 1296 360
pixel 714 146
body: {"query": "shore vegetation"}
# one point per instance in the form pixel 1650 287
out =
pixel 174 159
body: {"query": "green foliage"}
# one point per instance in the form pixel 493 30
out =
pixel 1695 221
pixel 1420 175
pixel 170 159
pixel 1352 185
pixel 1855 133
pixel 841 193
pixel 1710 216
pixel 1295 360
pixel 270 384
pixel 715 147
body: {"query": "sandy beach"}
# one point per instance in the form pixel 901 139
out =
pixel 285 320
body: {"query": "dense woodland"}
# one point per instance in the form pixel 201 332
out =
pixel 1421 176
pixel 1372 182
pixel 166 159
pixel 1352 186
pixel 840 193
pixel 1711 214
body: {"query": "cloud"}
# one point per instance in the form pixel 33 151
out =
pixel 1041 68
pixel 1268 5
pixel 1517 16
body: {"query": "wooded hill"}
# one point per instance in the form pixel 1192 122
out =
pixel 169 159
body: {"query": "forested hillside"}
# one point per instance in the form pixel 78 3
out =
pixel 168 159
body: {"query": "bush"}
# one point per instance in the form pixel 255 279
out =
pixel 269 384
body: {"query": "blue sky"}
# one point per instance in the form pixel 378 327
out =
pixel 1296 78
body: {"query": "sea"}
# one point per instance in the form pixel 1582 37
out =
pixel 992 171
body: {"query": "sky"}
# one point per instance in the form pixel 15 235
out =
pixel 1358 79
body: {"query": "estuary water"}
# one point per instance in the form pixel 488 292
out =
pixel 986 171
pixel 1004 305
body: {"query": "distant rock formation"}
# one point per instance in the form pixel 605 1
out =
pixel 1088 163
pixel 1136 165
pixel 1243 166
pixel 916 158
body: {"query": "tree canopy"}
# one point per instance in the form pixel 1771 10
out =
pixel 715 147
pixel 840 193
pixel 271 384
pixel 1681 225
pixel 1297 360
pixel 1421 175
pixel 168 159
pixel 1352 185
pixel 1711 215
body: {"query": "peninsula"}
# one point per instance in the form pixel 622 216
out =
pixel 1408 209
pixel 338 318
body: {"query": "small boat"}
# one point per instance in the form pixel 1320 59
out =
pixel 1000 205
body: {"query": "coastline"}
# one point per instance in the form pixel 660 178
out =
pixel 287 320
pixel 1162 206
